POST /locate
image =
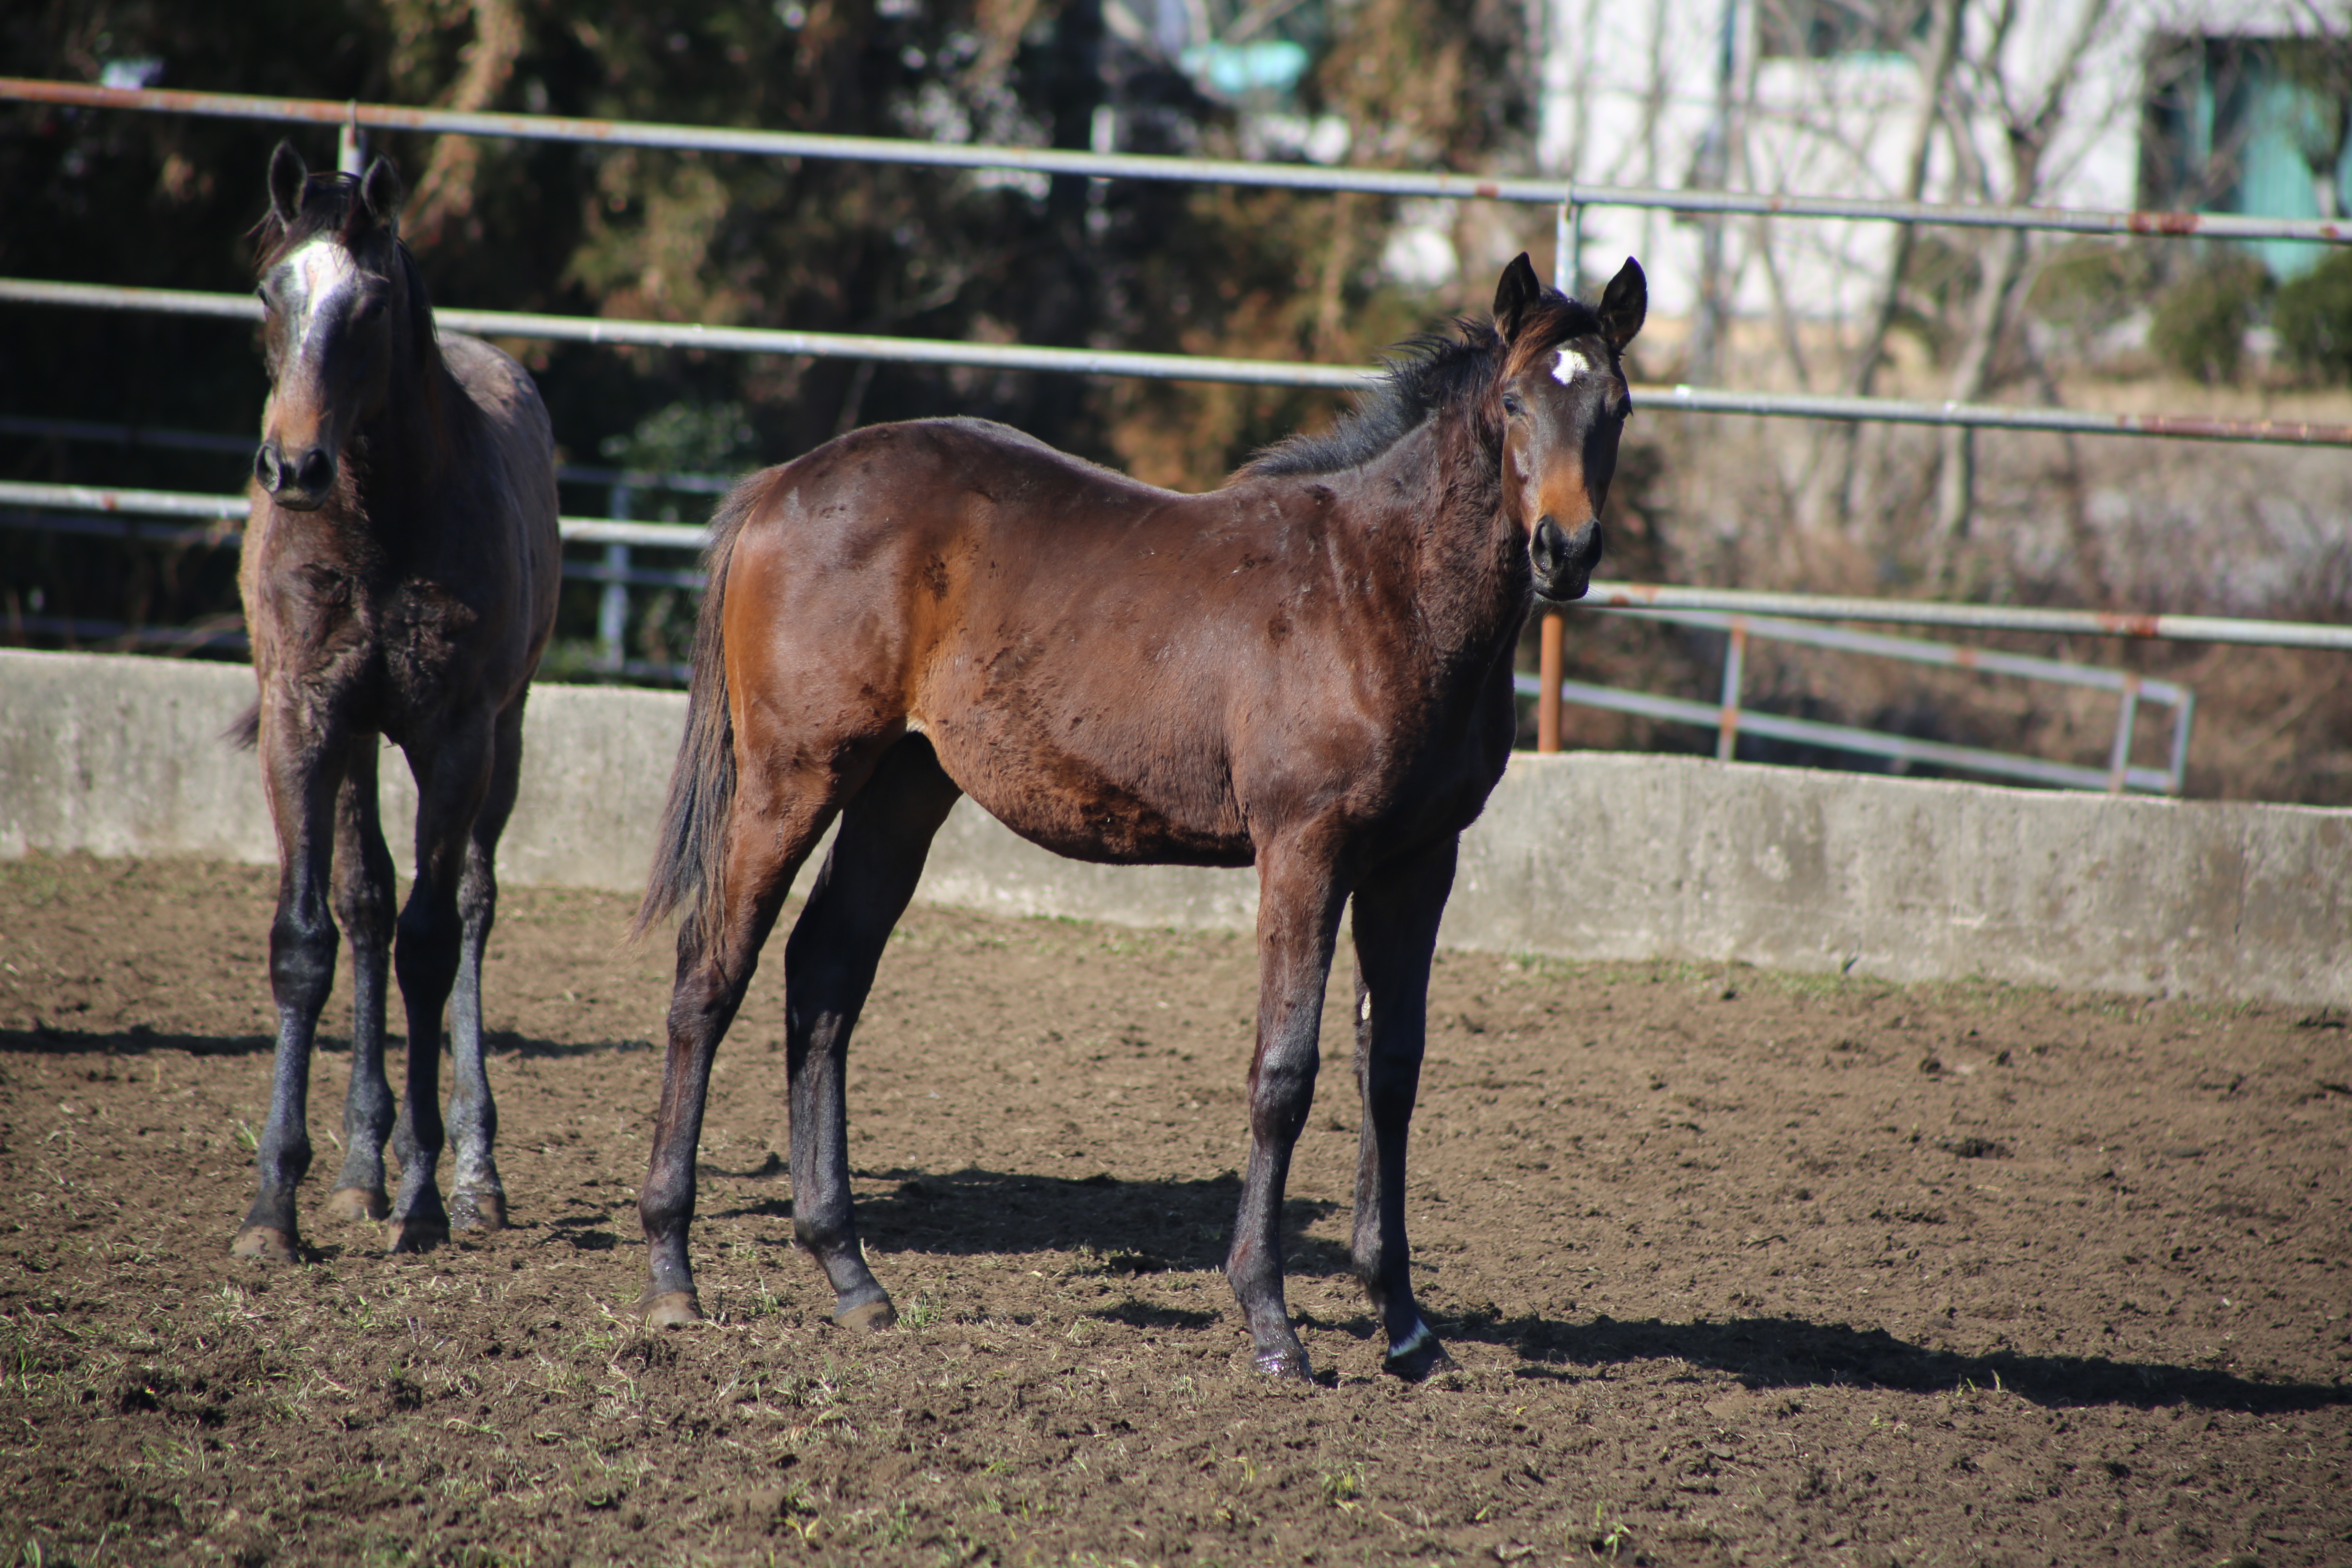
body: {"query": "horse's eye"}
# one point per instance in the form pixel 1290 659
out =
pixel 1511 404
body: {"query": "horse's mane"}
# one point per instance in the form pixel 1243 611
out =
pixel 332 204
pixel 1426 373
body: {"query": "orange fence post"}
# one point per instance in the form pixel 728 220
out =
pixel 1547 699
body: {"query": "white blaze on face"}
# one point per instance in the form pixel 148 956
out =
pixel 1569 365
pixel 316 276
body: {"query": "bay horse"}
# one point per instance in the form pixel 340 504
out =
pixel 1307 669
pixel 399 575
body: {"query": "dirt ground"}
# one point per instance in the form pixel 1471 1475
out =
pixel 1740 1268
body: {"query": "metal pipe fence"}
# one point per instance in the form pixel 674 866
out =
pixel 1729 718
pixel 1190 367
pixel 1139 167
pixel 1637 597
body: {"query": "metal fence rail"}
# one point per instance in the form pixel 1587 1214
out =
pixel 1634 598
pixel 1730 718
pixel 1136 166
pixel 1188 367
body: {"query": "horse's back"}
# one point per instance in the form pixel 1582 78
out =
pixel 518 444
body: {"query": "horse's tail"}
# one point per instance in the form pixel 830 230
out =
pixel 693 839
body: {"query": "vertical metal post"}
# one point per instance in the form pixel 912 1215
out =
pixel 1567 246
pixel 2181 712
pixel 2127 711
pixel 1734 653
pixel 613 608
pixel 351 145
pixel 1548 679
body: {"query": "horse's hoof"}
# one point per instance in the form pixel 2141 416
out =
pixel 356 1204
pixel 478 1211
pixel 265 1243
pixel 415 1236
pixel 1289 1364
pixel 1419 1357
pixel 871 1316
pixel 670 1309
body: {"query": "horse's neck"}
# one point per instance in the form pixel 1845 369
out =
pixel 407 448
pixel 1440 488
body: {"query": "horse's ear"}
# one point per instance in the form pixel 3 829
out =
pixel 380 193
pixel 287 178
pixel 1624 304
pixel 1516 291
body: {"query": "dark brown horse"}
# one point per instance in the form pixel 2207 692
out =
pixel 1307 670
pixel 399 576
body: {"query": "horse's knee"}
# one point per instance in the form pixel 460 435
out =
pixel 302 958
pixel 425 955
pixel 1283 1095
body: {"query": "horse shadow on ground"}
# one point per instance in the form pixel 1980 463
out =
pixel 50 1040
pixel 1129 1227
pixel 1791 1352
pixel 1140 1229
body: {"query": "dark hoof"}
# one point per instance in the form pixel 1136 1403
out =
pixel 670 1309
pixel 871 1316
pixel 1419 1358
pixel 357 1203
pixel 415 1236
pixel 265 1242
pixel 478 1211
pixel 1290 1364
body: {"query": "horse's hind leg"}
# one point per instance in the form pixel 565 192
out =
pixel 363 900
pixel 1396 914
pixel 453 777
pixel 829 964
pixel 301 768
pixel 770 827
pixel 478 1201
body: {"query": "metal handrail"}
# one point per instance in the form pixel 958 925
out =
pixel 1139 166
pixel 1730 718
pixel 1602 596
pixel 1188 367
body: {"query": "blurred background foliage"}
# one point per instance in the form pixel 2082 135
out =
pixel 169 200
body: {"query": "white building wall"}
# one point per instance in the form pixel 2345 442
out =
pixel 1628 94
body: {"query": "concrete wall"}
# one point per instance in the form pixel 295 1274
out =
pixel 1584 855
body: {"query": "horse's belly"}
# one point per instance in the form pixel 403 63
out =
pixel 1075 808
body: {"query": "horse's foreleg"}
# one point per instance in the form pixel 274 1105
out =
pixel 453 775
pixel 1397 909
pixel 829 964
pixel 301 773
pixel 769 834
pixel 477 1200
pixel 1299 895
pixel 364 901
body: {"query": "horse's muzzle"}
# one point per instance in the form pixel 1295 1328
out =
pixel 302 484
pixel 1563 562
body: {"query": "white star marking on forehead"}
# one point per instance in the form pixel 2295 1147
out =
pixel 1569 365
pixel 315 275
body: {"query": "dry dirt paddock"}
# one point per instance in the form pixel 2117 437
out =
pixel 1740 1268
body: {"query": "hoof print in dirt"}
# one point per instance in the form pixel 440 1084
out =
pixel 871 1317
pixel 358 1204
pixel 265 1244
pixel 478 1211
pixel 1420 1358
pixel 414 1236
pixel 671 1309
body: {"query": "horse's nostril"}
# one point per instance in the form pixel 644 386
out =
pixel 318 469
pixel 266 470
